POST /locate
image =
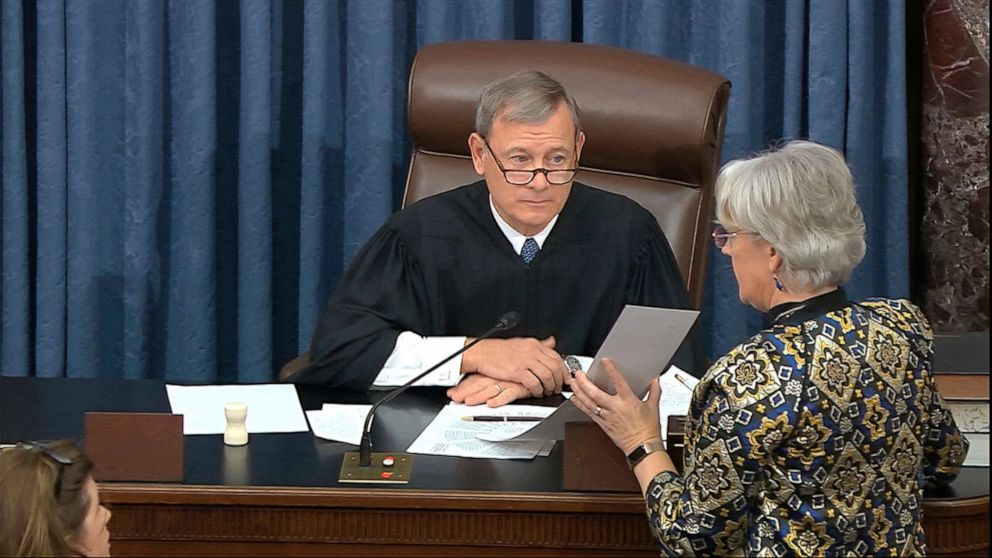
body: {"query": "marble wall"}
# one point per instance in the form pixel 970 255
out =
pixel 955 152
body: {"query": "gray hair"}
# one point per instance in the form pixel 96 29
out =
pixel 799 198
pixel 527 96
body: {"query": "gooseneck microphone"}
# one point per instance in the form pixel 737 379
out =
pixel 505 322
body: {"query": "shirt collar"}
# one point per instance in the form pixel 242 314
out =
pixel 516 239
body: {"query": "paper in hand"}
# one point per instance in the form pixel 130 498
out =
pixel 641 344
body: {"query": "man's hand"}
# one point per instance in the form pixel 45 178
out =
pixel 529 362
pixel 476 389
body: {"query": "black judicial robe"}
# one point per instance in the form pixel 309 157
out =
pixel 442 267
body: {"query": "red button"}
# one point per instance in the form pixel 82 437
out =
pixel 386 474
pixel 388 461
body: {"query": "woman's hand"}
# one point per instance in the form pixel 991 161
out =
pixel 627 420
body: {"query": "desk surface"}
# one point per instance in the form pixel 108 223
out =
pixel 41 409
pixel 49 408
pixel 279 471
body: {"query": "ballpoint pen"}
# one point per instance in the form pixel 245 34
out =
pixel 481 418
pixel 683 381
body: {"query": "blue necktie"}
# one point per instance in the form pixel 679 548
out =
pixel 529 250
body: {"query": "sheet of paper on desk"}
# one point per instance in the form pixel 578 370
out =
pixel 641 342
pixel 341 423
pixel 449 435
pixel 675 396
pixel 978 453
pixel 271 407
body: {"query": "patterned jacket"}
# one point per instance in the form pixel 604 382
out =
pixel 813 438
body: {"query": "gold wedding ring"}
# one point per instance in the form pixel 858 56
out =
pixel 598 410
pixel 499 388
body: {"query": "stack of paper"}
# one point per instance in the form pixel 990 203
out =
pixel 449 434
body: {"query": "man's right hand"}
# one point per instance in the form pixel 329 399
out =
pixel 530 362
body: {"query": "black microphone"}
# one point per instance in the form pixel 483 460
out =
pixel 507 321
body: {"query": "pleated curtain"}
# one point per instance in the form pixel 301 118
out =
pixel 183 182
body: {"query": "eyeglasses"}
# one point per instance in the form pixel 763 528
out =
pixel 516 177
pixel 55 456
pixel 721 237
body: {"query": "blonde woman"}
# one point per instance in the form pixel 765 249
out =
pixel 49 503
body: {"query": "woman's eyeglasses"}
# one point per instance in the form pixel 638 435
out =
pixel 721 237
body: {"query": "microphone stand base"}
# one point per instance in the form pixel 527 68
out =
pixel 398 473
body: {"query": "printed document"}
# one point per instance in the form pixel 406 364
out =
pixel 449 434
pixel 338 422
pixel 271 407
pixel 676 396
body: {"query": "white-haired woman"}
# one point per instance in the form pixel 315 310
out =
pixel 815 436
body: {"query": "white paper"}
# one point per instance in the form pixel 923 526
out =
pixel 505 431
pixel 676 396
pixel 341 423
pixel 271 407
pixel 978 451
pixel 641 342
pixel 448 434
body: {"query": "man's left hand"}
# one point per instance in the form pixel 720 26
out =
pixel 476 389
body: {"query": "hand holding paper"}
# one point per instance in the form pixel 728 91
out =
pixel 641 342
pixel 624 417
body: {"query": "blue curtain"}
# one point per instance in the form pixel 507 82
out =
pixel 184 182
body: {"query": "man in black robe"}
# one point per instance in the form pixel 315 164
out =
pixel 568 257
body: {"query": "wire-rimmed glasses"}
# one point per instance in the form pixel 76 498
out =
pixel 520 177
pixel 721 237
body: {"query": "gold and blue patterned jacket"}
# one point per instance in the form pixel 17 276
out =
pixel 813 438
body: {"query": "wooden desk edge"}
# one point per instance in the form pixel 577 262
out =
pixel 304 497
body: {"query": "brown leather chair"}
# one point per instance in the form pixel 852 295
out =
pixel 654 130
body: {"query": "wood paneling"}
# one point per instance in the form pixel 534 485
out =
pixel 166 519
pixel 212 520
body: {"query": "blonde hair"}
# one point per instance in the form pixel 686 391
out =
pixel 800 199
pixel 34 519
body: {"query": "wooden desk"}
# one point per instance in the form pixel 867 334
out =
pixel 279 494
pixel 374 522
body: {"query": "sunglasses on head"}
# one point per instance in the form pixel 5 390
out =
pixel 59 459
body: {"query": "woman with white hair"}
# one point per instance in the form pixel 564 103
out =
pixel 815 436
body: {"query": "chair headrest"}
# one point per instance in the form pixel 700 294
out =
pixel 642 114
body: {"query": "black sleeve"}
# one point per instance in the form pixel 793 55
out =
pixel 379 296
pixel 655 281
